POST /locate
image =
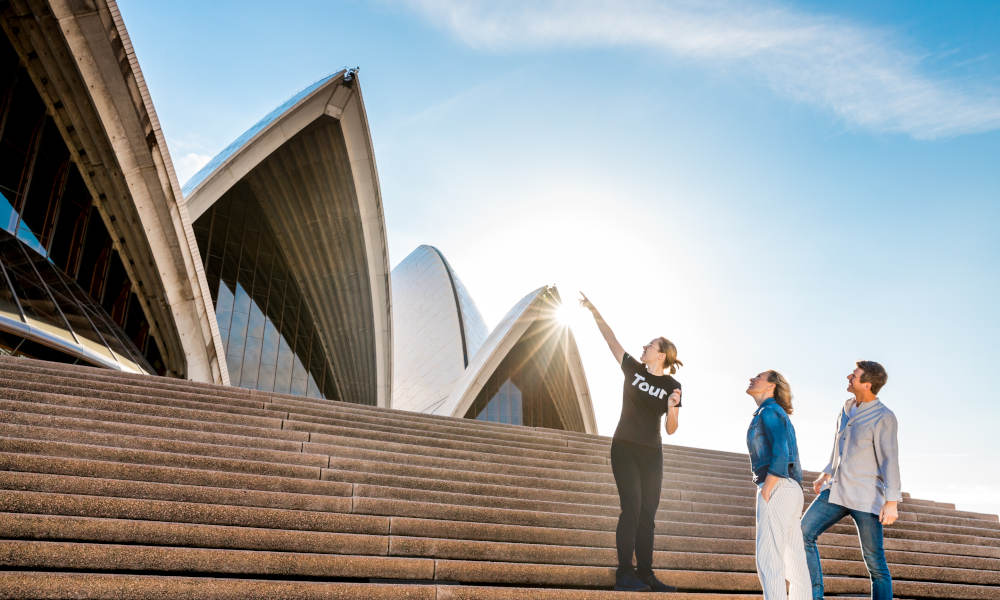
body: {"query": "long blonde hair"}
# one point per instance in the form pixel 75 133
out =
pixel 782 391
pixel 670 354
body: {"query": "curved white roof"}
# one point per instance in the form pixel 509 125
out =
pixel 436 330
pixel 538 306
pixel 442 356
pixel 311 163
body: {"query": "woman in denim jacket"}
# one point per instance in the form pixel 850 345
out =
pixel 774 460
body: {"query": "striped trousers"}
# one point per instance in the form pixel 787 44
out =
pixel 780 553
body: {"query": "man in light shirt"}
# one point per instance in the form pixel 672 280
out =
pixel 861 479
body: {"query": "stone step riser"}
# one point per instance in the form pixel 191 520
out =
pixel 415 493
pixel 364 469
pixel 151 457
pixel 20 365
pixel 127 418
pixel 158 533
pixel 425 528
pixel 318 459
pixel 63 555
pixel 53 585
pixel 117 435
pixel 398 502
pixel 142 408
pixel 145 509
pixel 18 585
pixel 337 500
pixel 133 442
pixel 109 531
pixel 609 506
pixel 672 540
pixel 47 555
pixel 140 474
pixel 142 394
pixel 335 415
pixel 608 488
pixel 40 503
pixel 146 384
pixel 998 524
pixel 97 380
pixel 39 419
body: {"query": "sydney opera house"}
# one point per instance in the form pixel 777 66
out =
pixel 268 270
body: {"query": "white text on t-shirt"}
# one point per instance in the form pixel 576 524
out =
pixel 652 390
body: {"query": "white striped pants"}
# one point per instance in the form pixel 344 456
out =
pixel 780 553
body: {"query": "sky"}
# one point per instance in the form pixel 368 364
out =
pixel 794 186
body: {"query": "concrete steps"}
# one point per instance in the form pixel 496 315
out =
pixel 117 485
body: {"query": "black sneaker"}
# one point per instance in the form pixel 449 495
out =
pixel 655 585
pixel 629 582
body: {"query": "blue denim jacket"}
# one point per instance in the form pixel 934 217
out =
pixel 772 445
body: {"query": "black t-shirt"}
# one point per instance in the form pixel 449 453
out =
pixel 644 401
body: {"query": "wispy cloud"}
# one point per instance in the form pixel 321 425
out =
pixel 189 164
pixel 865 75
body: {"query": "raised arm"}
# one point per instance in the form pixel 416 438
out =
pixel 609 336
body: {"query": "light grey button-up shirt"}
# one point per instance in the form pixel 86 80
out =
pixel 864 464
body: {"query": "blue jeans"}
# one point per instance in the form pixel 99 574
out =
pixel 821 516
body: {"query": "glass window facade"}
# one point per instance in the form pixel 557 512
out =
pixel 268 332
pixel 504 406
pixel 63 285
pixel 530 383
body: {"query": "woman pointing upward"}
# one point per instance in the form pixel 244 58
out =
pixel 648 393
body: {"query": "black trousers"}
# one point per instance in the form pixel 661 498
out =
pixel 638 473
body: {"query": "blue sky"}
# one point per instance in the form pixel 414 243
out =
pixel 770 185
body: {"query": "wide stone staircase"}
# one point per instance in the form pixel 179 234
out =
pixel 122 486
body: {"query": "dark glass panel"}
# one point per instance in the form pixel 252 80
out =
pixel 272 343
pixel 35 300
pixel 234 359
pixel 241 316
pixel 44 187
pixel 61 311
pixel 298 377
pixel 25 114
pixel 136 327
pixel 269 349
pixel 283 373
pixel 224 308
pixel 312 390
pixel 74 312
pixel 95 255
pixel 251 362
pixel 8 216
pixel 265 377
pixel 45 202
pixel 74 201
pixel 516 417
pixel 115 282
pixel 12 344
pixel 519 391
pixel 255 326
pixel 8 301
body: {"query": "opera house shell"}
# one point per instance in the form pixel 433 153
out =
pixel 98 263
pixel 289 223
pixel 527 371
pixel 269 270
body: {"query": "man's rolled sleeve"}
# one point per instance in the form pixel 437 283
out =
pixel 887 454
